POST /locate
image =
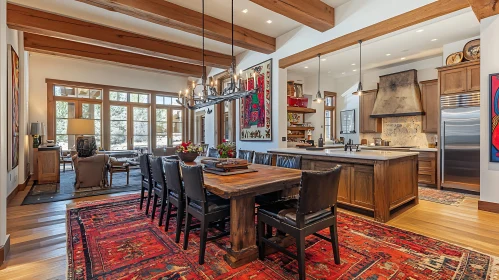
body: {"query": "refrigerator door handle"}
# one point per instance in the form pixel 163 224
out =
pixel 443 153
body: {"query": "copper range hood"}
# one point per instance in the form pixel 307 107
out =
pixel 398 95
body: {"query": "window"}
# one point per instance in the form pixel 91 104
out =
pixel 161 127
pixel 177 127
pixel 65 91
pixel 166 100
pixel 93 112
pixel 330 115
pixel 140 127
pixel 129 97
pixel 119 127
pixel 64 110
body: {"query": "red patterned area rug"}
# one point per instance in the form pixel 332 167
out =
pixel 113 239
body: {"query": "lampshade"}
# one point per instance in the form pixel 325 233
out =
pixel 36 129
pixel 81 127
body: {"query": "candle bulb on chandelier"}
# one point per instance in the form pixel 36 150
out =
pixel 254 80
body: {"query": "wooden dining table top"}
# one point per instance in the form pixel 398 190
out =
pixel 266 179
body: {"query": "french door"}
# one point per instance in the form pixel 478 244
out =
pixel 129 126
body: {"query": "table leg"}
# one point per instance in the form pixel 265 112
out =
pixel 242 232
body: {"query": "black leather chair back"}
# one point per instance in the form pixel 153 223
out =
pixel 262 158
pixel 247 155
pixel 145 166
pixel 173 179
pixel 213 152
pixel 158 173
pixel 318 190
pixel 193 182
pixel 288 161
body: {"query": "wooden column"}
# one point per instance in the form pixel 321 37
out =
pixel 242 231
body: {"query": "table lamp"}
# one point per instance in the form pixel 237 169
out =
pixel 36 132
pixel 84 130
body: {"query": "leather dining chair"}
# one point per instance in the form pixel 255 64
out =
pixel 262 158
pixel 245 154
pixel 159 190
pixel 207 208
pixel 288 161
pixel 313 211
pixel 176 195
pixel 213 152
pixel 146 181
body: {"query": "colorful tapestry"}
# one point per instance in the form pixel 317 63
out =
pixel 494 115
pixel 255 110
pixel 13 111
pixel 113 239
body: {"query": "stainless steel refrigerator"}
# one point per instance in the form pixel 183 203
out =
pixel 460 141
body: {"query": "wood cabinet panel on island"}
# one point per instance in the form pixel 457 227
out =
pixel 366 105
pixel 370 180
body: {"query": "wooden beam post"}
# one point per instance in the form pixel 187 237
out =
pixel 44 23
pixel 422 14
pixel 44 44
pixel 175 16
pixel 484 8
pixel 312 13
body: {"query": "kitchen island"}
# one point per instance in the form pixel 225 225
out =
pixel 374 181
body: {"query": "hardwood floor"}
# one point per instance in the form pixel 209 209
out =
pixel 38 238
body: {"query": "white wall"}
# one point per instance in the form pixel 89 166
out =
pixel 3 124
pixel 489 64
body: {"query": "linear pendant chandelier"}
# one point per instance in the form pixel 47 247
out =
pixel 209 94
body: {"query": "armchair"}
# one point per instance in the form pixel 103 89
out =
pixel 91 171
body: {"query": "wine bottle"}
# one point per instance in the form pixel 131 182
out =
pixel 321 141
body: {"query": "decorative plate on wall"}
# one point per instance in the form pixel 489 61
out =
pixel 472 50
pixel 454 58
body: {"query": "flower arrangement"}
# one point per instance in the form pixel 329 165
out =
pixel 227 149
pixel 189 147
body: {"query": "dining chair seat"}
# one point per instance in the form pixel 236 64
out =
pixel 285 211
pixel 214 203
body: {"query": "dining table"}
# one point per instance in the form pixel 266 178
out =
pixel 242 189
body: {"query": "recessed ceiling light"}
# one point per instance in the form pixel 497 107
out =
pixel 433 40
pixel 343 73
pixel 306 67
pixel 354 70
pixel 420 30
pixel 388 54
pixel 269 21
pixel 402 58
pixel 353 64
pixel 245 11
pixel 323 59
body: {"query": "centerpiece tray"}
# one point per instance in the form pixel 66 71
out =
pixel 224 167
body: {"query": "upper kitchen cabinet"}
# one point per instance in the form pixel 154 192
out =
pixel 459 78
pixel 366 105
pixel 430 101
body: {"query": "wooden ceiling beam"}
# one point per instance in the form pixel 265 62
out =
pixel 416 16
pixel 171 15
pixel 45 23
pixel 312 13
pixel 484 8
pixel 49 45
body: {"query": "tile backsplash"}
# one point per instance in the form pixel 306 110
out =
pixel 402 131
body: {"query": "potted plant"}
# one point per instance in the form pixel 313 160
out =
pixel 188 152
pixel 227 149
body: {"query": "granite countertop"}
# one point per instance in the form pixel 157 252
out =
pixel 415 149
pixel 364 154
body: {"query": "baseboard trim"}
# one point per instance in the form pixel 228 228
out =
pixel 488 206
pixel 17 189
pixel 4 250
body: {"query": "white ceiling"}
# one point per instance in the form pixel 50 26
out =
pixel 408 44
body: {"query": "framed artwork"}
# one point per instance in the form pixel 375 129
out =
pixel 256 110
pixel 13 108
pixel 494 117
